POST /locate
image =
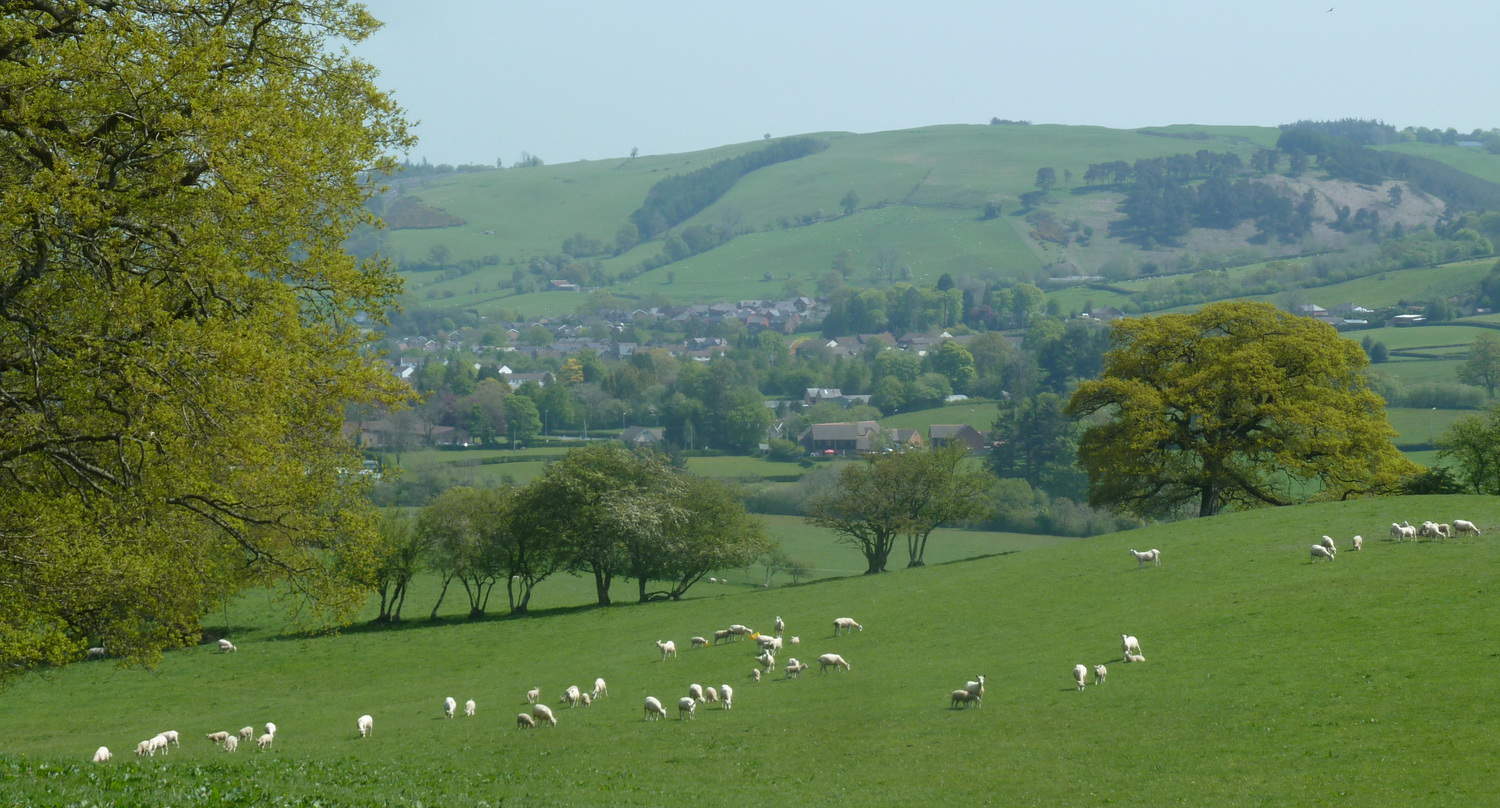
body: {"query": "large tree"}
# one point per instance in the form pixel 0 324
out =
pixel 1482 368
pixel 178 330
pixel 1472 443
pixel 1237 405
pixel 943 488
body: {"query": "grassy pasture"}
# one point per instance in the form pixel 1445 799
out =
pixel 1270 680
pixel 978 414
pixel 1415 425
pixel 1478 162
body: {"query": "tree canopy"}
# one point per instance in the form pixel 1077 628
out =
pixel 178 328
pixel 1236 405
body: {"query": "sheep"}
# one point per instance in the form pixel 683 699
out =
pixel 225 646
pixel 1080 675
pixel 231 743
pixel 834 661
pixel 736 628
pixel 772 644
pixel 1357 543
pixel 767 660
pixel 1142 556
pixel 686 707
pixel 845 624
pixel 469 707
pixel 264 741
pixel 755 674
pixel 1319 551
pixel 696 691
pixel 96 652
pixel 542 712
pixel 668 649
pixel 962 698
pixel 145 749
pixel 722 634
pixel 365 724
pixel 710 695
pixel 533 694
pixel 449 706
pixel 796 640
pixel 524 721
pixel 172 737
pixel 1327 541
pixel 699 642
pixel 270 728
pixel 780 625
pixel 1398 532
pixel 654 710
pixel 1459 526
pixel 795 668
pixel 585 699
pixel 1134 658
pixel 1099 673
pixel 246 733
pixel 600 688
pixel 1428 528
pixel 102 755
pixel 975 685
pixel 726 697
pixel 1445 530
pixel 158 743
pixel 218 737
pixel 1129 645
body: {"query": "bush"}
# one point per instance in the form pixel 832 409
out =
pixel 785 451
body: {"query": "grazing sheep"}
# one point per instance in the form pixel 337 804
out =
pixel 962 698
pixel 102 755
pixel 264 741
pixel 1129 645
pixel 686 707
pixel 1445 530
pixel 654 710
pixel 794 668
pixel 755 674
pixel 772 644
pixel 542 712
pixel 449 706
pixel 600 688
pixel 1357 543
pixel 145 749
pixel 533 694
pixel 1080 675
pixel 246 733
pixel 780 624
pixel 469 707
pixel 172 737
pixel 796 640
pixel 1400 533
pixel 1459 526
pixel 726 697
pixel 845 624
pixel 1319 551
pixel 710 695
pixel 699 642
pixel 696 691
pixel 1142 556
pixel 97 652
pixel 365 724
pixel 722 634
pixel 668 649
pixel 767 660
pixel 1099 673
pixel 976 685
pixel 524 721
pixel 585 699
pixel 1428 528
pixel 270 728
pixel 231 744
pixel 158 744
pixel 736 628
pixel 1134 658
pixel 217 737
pixel 225 646
pixel 834 661
pixel 1327 541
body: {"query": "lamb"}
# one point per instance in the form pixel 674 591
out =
pixel 710 695
pixel 654 709
pixel 772 644
pixel 524 721
pixel 699 642
pixel 600 688
pixel 1129 645
pixel 722 634
pixel 570 696
pixel 469 707
pixel 585 699
pixel 726 697
pixel 1099 673
pixel 270 728
pixel 533 694
pixel 102 755
pixel 1461 526
pixel 1319 551
pixel 846 624
pixel 767 660
pixel 225 646
pixel 780 625
pixel 976 685
pixel 542 712
pixel 686 707
pixel 1398 532
pixel 1142 556
pixel 1428 528
pixel 449 706
pixel 246 733
pixel 1080 675
pixel 794 668
pixel 218 737
pixel 696 691
pixel 231 743
pixel 755 674
pixel 365 724
pixel 1134 658
pixel 796 640
pixel 264 741
pixel 668 649
pixel 834 661
pixel 963 698
pixel 145 749
pixel 1327 541
pixel 1445 530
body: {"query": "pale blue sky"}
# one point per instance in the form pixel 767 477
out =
pixel 569 79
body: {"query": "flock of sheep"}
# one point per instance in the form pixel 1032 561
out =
pixel 1328 550
pixel 163 741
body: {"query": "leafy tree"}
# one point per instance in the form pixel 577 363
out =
pixel 717 534
pixel 1482 368
pixel 1046 178
pixel 452 529
pixel 1239 404
pixel 850 202
pixel 1473 444
pixel 400 553
pixel 1036 441
pixel 940 491
pixel 955 362
pixel 522 416
pixel 176 323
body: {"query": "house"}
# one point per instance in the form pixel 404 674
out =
pixel 1407 319
pixel 813 395
pixel 841 438
pixel 515 380
pixel 562 285
pixel 944 434
pixel 643 436
pixel 904 438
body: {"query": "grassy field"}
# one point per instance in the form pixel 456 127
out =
pixel 1269 680
pixel 1478 162
pixel 978 414
pixel 1420 425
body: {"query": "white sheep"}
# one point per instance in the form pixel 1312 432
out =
pixel 1465 526
pixel 795 668
pixel 796 640
pixel 469 707
pixel 686 706
pixel 845 624
pixel 780 625
pixel 1327 541
pixel 654 710
pixel 1428 528
pixel 247 733
pixel 570 696
pixel 1319 551
pixel 145 749
pixel 1129 645
pixel 1142 556
pixel 542 712
pixel 767 660
pixel 264 741
pixel 975 685
pixel 1080 675
pixel 1400 533
pixel 726 697
pixel 158 744
pixel 769 643
pixel 1099 673
pixel 668 649
pixel 533 694
pixel 736 628
pixel 600 688
pixel 834 661
pixel 270 728
pixel 524 721
pixel 1134 658
pixel 225 646
pixel 963 698
pixel 102 755
pixel 1357 543
pixel 172 737
pixel 1445 530
pixel 699 642
pixel 710 695
pixel 96 652
pixel 231 744
pixel 722 634
pixel 755 674
pixel 217 737
pixel 449 707
pixel 696 691
pixel 365 724
pixel 585 699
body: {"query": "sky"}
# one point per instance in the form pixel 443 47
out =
pixel 567 80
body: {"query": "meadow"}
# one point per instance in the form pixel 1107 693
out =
pixel 1269 680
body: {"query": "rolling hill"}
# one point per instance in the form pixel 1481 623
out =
pixel 1269 680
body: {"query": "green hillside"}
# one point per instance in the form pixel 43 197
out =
pixel 1269 680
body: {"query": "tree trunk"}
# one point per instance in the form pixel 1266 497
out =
pixel 1208 500
pixel 642 582
pixel 400 599
pixel 601 587
pixel 447 579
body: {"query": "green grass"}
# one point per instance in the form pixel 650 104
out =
pixel 1270 680
pixel 978 414
pixel 1478 162
pixel 1421 425
pixel 1454 337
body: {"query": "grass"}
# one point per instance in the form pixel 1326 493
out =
pixel 1418 426
pixel 978 414
pixel 1478 162
pixel 1270 680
